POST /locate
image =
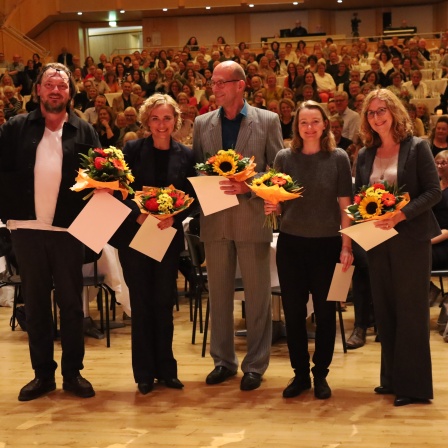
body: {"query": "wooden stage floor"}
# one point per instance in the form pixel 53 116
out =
pixel 204 416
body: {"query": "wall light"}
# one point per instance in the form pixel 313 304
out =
pixel 165 9
pixel 251 5
pixel 122 11
pixel 113 24
pixel 79 13
pixel 208 7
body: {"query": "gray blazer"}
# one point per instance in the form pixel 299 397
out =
pixel 260 135
pixel 417 175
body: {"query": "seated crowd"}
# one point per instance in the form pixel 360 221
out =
pixel 327 73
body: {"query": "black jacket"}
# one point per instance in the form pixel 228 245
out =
pixel 19 138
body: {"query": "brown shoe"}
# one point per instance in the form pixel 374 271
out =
pixel 357 339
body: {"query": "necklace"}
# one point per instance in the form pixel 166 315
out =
pixel 388 165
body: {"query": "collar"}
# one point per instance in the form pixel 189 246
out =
pixel 243 110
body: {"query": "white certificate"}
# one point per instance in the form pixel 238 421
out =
pixel 367 235
pixel 152 241
pixel 340 283
pixel 99 220
pixel 211 197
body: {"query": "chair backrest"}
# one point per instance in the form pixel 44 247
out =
pixel 196 250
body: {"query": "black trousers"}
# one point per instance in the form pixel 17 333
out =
pixel 400 274
pixel 151 286
pixel 50 259
pixel 306 265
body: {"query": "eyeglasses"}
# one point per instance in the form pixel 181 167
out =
pixel 379 113
pixel 61 87
pixel 220 84
pixel 443 163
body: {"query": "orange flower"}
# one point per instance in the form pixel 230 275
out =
pixel 357 199
pixel 211 159
pixel 378 186
pixel 278 180
pixel 388 199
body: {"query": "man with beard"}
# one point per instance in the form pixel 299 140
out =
pixel 39 158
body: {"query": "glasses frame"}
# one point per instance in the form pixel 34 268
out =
pixel 380 112
pixel 220 84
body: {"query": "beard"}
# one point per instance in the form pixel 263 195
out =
pixel 55 109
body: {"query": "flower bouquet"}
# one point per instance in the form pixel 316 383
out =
pixel 229 164
pixel 377 201
pixel 162 202
pixel 104 168
pixel 275 187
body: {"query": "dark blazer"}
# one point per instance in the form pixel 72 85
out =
pixel 139 155
pixel 417 175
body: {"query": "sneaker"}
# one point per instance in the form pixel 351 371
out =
pixel 321 388
pixel 296 386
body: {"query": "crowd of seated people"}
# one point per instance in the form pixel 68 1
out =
pixel 294 71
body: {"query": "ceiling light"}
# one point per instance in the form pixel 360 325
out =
pixel 113 24
pixel 208 7
pixel 79 13
pixel 251 5
pixel 295 3
pixel 122 11
pixel 339 1
pixel 165 9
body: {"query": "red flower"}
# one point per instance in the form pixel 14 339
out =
pixel 179 202
pixel 99 162
pixel 388 199
pixel 278 180
pixel 240 156
pixel 357 199
pixel 100 152
pixel 211 159
pixel 378 186
pixel 151 205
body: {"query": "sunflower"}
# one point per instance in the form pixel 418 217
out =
pixel 224 165
pixel 262 179
pixel 370 207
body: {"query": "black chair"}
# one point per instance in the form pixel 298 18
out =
pixel 197 255
pixel 11 276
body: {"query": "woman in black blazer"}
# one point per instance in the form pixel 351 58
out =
pixel 156 161
pixel 400 267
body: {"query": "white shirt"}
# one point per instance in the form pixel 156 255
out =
pixel 47 181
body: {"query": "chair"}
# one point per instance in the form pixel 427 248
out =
pixel 98 281
pixel 197 255
pixel 276 291
pixel 10 277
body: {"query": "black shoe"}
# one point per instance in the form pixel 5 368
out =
pixel 78 386
pixel 250 381
pixel 91 330
pixel 382 390
pixel 321 388
pixel 145 387
pixel 219 374
pixel 36 388
pixel 296 386
pixel 173 383
pixel 403 401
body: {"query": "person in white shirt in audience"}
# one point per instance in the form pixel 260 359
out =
pixel 416 87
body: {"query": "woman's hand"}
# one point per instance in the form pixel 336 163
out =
pixel 389 223
pixel 230 186
pixel 103 190
pixel 165 223
pixel 346 257
pixel 269 208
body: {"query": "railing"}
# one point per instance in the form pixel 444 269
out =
pixel 23 39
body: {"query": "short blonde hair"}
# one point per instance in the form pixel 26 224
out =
pixel 159 99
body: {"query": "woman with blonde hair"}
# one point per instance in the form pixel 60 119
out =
pixel 400 267
pixel 156 161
